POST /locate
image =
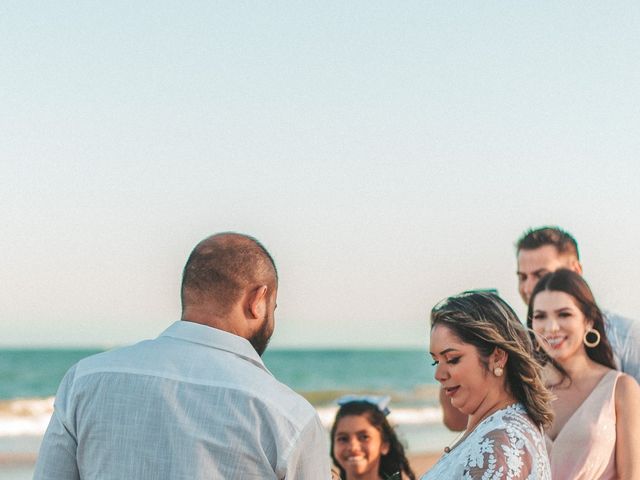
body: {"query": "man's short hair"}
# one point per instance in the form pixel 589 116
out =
pixel 220 267
pixel 562 240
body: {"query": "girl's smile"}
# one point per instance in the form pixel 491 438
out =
pixel 358 446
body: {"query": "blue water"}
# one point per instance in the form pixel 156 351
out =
pixel 320 374
pixel 372 370
pixel 29 378
pixel 35 373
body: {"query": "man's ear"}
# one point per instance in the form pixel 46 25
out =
pixel 257 302
pixel 576 266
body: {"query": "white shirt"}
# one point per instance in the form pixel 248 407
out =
pixel 624 336
pixel 194 403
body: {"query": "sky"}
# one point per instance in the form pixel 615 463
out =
pixel 387 154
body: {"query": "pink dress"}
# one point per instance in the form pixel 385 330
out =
pixel 585 448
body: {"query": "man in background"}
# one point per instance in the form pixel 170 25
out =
pixel 544 250
pixel 196 402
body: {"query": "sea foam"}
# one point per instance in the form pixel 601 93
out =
pixel 30 416
pixel 398 416
pixel 25 416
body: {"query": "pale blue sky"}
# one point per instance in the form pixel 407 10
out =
pixel 388 154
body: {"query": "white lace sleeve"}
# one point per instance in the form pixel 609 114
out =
pixel 500 455
pixel 505 446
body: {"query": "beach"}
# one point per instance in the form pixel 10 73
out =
pixel 17 466
pixel 16 471
pixel 420 430
pixel 424 442
pixel 423 462
pixel 18 457
pixel 321 376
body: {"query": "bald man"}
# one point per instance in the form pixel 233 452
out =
pixel 196 402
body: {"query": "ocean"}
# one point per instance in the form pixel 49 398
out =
pixel 29 379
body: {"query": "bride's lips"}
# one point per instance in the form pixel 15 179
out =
pixel 450 391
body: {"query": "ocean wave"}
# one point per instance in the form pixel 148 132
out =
pixel 398 416
pixel 25 416
pixel 30 416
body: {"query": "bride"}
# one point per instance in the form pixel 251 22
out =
pixel 484 362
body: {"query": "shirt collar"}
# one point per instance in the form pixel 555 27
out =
pixel 214 338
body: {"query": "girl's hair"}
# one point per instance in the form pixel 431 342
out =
pixel 487 322
pixel 395 460
pixel 571 283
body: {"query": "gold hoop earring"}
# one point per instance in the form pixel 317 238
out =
pixel 498 371
pixel 594 343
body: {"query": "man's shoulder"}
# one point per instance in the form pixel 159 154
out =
pixel 609 314
pixel 202 368
pixel 124 355
pixel 259 387
pixel 616 321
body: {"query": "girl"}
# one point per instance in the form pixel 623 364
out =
pixel 364 446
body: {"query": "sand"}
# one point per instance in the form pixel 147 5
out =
pixel 21 468
pixel 421 462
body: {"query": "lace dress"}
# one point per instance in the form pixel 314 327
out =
pixel 506 445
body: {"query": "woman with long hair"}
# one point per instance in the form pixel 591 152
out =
pixel 484 362
pixel 596 431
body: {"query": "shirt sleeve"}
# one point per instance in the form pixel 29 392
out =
pixel 57 456
pixel 309 457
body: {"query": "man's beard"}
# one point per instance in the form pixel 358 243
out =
pixel 261 338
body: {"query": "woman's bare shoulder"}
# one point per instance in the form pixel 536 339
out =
pixel 627 391
pixel 626 385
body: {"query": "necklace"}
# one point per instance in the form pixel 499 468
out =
pixel 456 441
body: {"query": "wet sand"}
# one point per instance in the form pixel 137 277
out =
pixel 421 462
pixel 17 466
pixel 21 468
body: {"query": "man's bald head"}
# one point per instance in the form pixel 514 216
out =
pixel 221 268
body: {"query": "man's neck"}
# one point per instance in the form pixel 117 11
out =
pixel 206 316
